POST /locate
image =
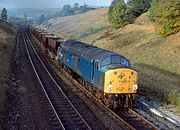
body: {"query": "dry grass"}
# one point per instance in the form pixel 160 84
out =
pixel 7 43
pixel 74 26
pixel 157 59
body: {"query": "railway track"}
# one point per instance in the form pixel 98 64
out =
pixel 160 118
pixel 63 114
pixel 127 119
pixel 136 120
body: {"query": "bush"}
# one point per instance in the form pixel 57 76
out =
pixel 4 14
pixel 173 97
pixel 166 15
pixel 153 8
pixel 119 14
pixel 137 7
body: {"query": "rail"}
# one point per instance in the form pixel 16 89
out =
pixel 66 113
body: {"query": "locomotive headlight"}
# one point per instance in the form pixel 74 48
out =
pixel 109 87
pixel 135 87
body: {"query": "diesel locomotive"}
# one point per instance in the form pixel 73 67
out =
pixel 107 75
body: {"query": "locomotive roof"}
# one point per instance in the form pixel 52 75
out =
pixel 88 51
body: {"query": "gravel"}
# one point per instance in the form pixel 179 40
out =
pixel 155 113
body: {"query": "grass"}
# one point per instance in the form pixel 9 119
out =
pixel 7 44
pixel 90 32
pixel 156 58
pixel 5 52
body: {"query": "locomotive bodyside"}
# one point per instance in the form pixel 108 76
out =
pixel 109 73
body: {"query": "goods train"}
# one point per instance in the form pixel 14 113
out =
pixel 105 74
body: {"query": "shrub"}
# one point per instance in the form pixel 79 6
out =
pixel 153 8
pixel 174 98
pixel 119 14
pixel 4 14
pixel 166 15
pixel 137 7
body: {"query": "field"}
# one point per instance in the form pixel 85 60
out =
pixel 7 44
pixel 156 58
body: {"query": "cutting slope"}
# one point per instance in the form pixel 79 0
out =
pixel 157 59
pixel 7 43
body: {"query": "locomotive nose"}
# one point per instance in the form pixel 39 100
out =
pixel 121 80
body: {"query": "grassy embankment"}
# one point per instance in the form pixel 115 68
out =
pixel 7 44
pixel 157 59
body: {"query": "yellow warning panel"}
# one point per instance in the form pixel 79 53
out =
pixel 121 80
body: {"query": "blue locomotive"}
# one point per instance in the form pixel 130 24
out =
pixel 107 75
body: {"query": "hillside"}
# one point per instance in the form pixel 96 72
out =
pixel 7 44
pixel 155 58
pixel 79 26
pixel 32 13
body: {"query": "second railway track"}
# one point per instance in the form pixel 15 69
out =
pixel 66 115
pixel 137 121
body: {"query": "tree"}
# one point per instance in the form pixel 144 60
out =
pixel 66 7
pixel 153 8
pixel 4 14
pixel 25 16
pixel 137 7
pixel 119 14
pixel 76 5
pixel 41 19
pixel 167 17
pixel 76 8
pixel 66 10
pixel 113 4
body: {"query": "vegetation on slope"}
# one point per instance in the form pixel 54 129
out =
pixel 67 10
pixel 80 26
pixel 166 15
pixel 7 43
pixel 4 14
pixel 156 58
pixel 121 13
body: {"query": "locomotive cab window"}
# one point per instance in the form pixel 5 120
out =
pixel 125 62
pixel 106 61
pixel 115 59
pixel 119 60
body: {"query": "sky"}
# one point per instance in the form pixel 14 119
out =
pixel 10 4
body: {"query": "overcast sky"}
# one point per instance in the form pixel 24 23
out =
pixel 48 3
